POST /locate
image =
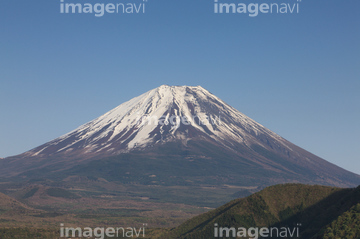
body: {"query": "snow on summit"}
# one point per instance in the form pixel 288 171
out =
pixel 159 115
pixel 185 129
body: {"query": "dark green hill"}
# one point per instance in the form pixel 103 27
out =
pixel 345 226
pixel 289 205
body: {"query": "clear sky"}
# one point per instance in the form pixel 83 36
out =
pixel 297 74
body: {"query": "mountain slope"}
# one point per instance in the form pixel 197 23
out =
pixel 314 207
pixel 347 225
pixel 8 204
pixel 179 132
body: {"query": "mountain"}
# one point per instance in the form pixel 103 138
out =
pixel 161 115
pixel 313 211
pixel 177 135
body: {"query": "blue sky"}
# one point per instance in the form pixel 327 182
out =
pixel 297 74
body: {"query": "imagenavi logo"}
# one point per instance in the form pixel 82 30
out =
pixel 100 9
pixel 254 9
pixel 256 232
pixel 102 232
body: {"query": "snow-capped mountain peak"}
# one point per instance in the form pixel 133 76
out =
pixel 185 128
pixel 159 115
